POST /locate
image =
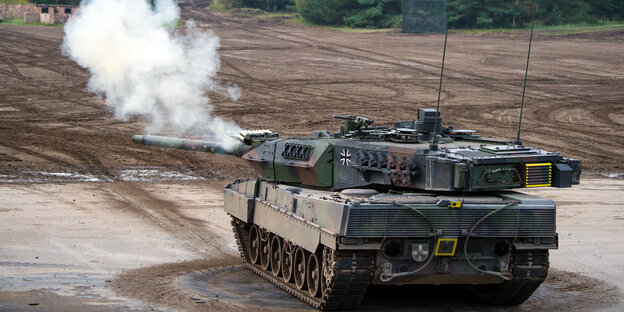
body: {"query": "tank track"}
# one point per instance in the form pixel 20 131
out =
pixel 352 272
pixel 529 269
pixel 239 241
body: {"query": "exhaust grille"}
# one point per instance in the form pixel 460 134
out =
pixel 537 175
pixel 371 221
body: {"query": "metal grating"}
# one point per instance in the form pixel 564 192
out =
pixel 537 175
pixel 376 221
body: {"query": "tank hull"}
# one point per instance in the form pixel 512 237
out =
pixel 326 248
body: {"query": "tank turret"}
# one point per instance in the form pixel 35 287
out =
pixel 363 156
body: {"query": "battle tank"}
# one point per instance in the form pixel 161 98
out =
pixel 333 213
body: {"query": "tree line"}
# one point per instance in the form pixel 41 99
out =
pixel 461 13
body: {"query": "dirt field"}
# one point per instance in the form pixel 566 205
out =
pixel 88 220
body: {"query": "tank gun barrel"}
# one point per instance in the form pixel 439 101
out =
pixel 237 149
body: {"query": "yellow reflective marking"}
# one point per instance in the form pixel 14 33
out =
pixel 538 164
pixel 538 185
pixel 454 240
pixel 456 204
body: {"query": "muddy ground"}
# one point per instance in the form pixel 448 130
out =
pixel 89 221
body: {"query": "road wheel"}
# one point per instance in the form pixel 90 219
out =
pixel 254 244
pixel 265 250
pixel 300 268
pixel 313 275
pixel 287 263
pixel 276 255
pixel 287 260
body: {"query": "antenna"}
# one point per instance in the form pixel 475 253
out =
pixel 434 146
pixel 526 72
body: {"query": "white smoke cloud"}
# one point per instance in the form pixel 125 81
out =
pixel 144 66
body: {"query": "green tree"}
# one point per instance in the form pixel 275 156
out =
pixel 461 13
pixel 269 5
pixel 374 14
pixel 554 12
pixel 324 12
pixel 226 4
pixel 482 13
pixel 355 13
pixel 506 13
pixel 607 9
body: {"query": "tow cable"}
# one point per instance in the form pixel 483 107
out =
pixel 388 277
pixel 499 274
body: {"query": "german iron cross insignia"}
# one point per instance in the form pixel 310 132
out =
pixel 345 157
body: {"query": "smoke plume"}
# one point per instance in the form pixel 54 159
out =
pixel 144 66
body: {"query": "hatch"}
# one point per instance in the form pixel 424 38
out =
pixel 507 149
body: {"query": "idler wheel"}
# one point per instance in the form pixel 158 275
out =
pixel 276 255
pixel 265 250
pixel 313 275
pixel 254 244
pixel 287 261
pixel 300 268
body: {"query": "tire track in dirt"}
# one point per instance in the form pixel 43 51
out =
pixel 371 101
pixel 205 279
pixel 391 60
pixel 486 99
pixel 449 95
pixel 54 160
pixel 42 47
pixel 387 59
pixel 481 80
pixel 143 284
pixel 276 90
pixel 165 214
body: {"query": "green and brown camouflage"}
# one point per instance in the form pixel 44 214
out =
pixel 335 212
pixel 400 157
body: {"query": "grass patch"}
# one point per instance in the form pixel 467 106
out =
pixel 287 17
pixel 221 5
pixel 294 18
pixel 177 23
pixel 15 2
pixel 551 30
pixel 20 21
pixel 578 29
pixel 348 29
pixel 12 21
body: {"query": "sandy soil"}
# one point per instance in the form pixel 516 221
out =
pixel 71 239
pixel 89 221
pixel 142 246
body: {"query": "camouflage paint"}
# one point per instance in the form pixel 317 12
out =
pixel 359 157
